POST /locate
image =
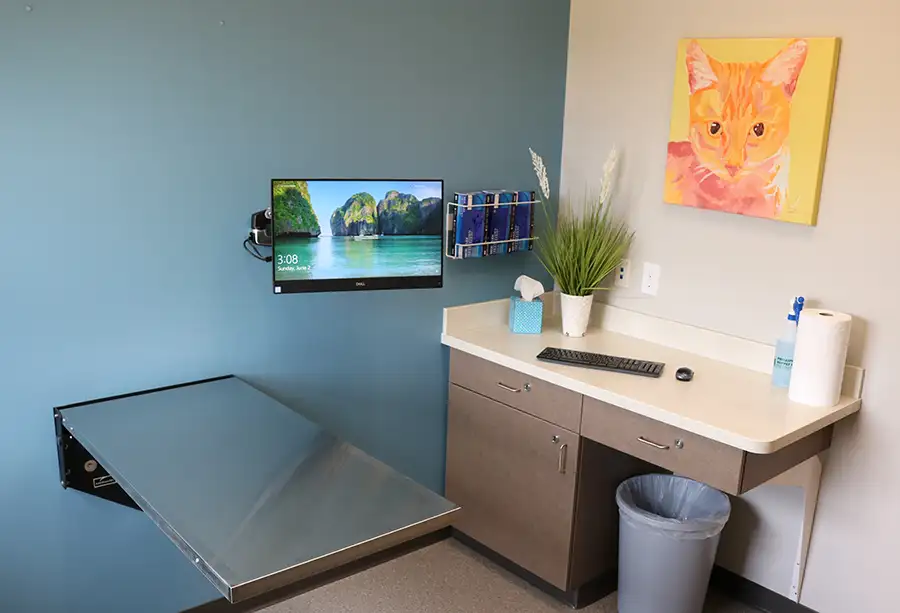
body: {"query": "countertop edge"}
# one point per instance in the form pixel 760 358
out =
pixel 761 447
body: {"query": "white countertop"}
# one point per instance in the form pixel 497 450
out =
pixel 733 405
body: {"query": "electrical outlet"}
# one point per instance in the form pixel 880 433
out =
pixel 650 279
pixel 623 273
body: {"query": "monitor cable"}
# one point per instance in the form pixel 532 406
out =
pixel 250 247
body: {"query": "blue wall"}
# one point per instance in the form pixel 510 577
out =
pixel 135 140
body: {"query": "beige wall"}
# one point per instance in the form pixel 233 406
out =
pixel 737 274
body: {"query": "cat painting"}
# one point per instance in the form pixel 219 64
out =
pixel 737 154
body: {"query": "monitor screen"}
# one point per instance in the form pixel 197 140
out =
pixel 356 234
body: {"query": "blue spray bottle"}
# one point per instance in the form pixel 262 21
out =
pixel 784 348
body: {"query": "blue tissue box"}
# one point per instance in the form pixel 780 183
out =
pixel 525 317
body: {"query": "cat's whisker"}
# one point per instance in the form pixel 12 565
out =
pixel 775 157
pixel 708 174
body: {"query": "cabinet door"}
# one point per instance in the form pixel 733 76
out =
pixel 514 476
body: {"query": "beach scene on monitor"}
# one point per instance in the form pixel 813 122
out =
pixel 356 229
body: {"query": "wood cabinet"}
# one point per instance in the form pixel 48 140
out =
pixel 662 445
pixel 531 489
pixel 510 416
pixel 533 396
pixel 515 478
pixel 727 468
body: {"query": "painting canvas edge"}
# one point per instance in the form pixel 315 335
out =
pixel 829 113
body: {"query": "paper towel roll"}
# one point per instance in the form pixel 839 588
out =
pixel 819 357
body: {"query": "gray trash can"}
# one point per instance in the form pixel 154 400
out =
pixel 669 530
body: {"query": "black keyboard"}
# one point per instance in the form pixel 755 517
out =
pixel 602 362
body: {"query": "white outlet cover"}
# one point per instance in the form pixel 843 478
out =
pixel 650 279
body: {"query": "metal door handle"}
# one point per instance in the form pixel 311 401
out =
pixel 652 444
pixel 563 453
pixel 508 388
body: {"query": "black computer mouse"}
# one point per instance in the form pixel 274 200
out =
pixel 684 374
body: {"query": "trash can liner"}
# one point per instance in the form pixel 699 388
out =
pixel 676 507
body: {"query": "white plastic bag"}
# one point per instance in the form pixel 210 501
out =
pixel 676 507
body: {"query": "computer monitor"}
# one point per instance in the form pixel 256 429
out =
pixel 356 234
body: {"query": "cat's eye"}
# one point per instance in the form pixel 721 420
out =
pixel 759 129
pixel 715 127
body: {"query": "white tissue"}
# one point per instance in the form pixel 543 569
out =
pixel 529 288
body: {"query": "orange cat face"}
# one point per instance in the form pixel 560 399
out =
pixel 741 112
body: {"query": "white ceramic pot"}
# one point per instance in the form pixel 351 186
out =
pixel 576 311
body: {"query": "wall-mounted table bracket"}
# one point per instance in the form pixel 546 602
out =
pixel 81 471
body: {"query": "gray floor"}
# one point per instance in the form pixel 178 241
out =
pixel 443 578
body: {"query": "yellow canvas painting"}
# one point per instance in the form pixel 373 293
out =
pixel 750 121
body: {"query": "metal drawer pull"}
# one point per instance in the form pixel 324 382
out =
pixel 508 388
pixel 652 444
pixel 563 453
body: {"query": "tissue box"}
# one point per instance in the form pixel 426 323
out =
pixel 525 317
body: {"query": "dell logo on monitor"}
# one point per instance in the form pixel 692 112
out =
pixel 360 284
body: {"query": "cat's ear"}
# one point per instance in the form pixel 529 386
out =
pixel 699 66
pixel 784 69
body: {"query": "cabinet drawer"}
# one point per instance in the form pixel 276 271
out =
pixel 515 478
pixel 676 450
pixel 533 396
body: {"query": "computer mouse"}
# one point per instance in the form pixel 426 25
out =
pixel 684 374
